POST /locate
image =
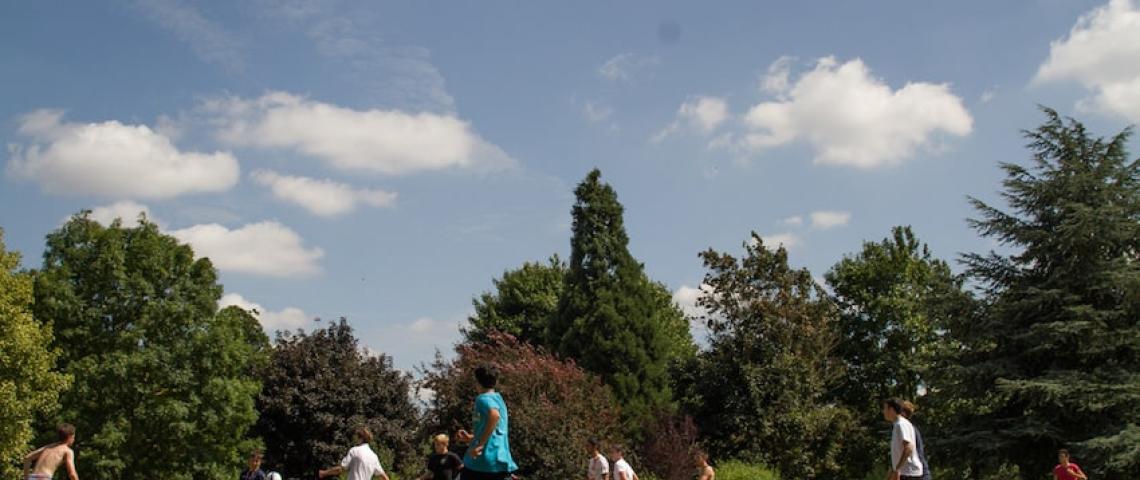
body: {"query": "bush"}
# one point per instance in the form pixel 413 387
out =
pixel 736 470
pixel 669 446
pixel 554 406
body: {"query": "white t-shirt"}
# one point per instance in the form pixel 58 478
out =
pixel 622 470
pixel 599 467
pixel 361 463
pixel 903 431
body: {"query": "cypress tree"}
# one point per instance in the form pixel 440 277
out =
pixel 612 319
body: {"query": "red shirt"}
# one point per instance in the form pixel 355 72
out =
pixel 1061 472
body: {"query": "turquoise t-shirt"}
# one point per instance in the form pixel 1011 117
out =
pixel 496 456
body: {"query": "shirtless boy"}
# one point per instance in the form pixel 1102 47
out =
pixel 48 458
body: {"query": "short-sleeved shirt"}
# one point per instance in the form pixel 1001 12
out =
pixel 622 470
pixel 444 466
pixel 253 475
pixel 496 456
pixel 361 463
pixel 1061 472
pixel 902 432
pixel 598 468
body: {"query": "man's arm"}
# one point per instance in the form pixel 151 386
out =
pixel 381 475
pixel 30 458
pixel 493 418
pixel 69 457
pixel 908 450
pixel 332 472
pixel 1076 472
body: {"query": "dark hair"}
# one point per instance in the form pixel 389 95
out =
pixel 487 376
pixel 617 448
pixel 593 443
pixel 364 433
pixel 1063 451
pixel 65 431
pixel 700 454
pixel 894 404
pixel 256 453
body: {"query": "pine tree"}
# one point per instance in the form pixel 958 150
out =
pixel 1054 361
pixel 612 319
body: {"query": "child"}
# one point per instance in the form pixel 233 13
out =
pixel 442 465
pixel 622 470
pixel 254 471
pixel 1066 470
pixel 704 470
pixel 599 467
pixel 42 463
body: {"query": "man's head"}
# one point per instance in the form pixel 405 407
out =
pixel 255 460
pixel 440 443
pixel 892 409
pixel 616 452
pixel 593 446
pixel 487 376
pixel 362 434
pixel 65 433
pixel 1063 456
pixel 700 458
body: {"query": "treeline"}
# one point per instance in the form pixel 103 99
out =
pixel 1020 354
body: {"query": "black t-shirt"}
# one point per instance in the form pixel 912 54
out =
pixel 444 466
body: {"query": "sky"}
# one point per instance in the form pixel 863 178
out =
pixel 384 161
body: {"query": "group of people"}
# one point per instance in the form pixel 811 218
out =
pixel 908 453
pixel 488 452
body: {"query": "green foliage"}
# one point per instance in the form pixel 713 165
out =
pixel 319 387
pixel 1055 358
pixel 155 368
pixel 736 470
pixel 759 392
pixel 554 405
pixel 612 319
pixel 524 302
pixel 29 384
pixel 894 299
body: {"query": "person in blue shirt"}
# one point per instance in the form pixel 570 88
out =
pixel 488 454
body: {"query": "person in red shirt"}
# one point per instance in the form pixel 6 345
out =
pixel 1066 470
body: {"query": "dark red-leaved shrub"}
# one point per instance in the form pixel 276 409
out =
pixel 554 405
pixel 670 445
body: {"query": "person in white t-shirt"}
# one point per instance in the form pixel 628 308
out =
pixel 622 470
pixel 361 463
pixel 905 463
pixel 599 467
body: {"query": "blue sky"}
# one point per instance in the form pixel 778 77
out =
pixel 384 161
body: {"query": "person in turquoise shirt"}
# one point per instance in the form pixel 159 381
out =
pixel 489 451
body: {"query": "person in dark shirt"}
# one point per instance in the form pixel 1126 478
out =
pixel 908 412
pixel 443 464
pixel 254 471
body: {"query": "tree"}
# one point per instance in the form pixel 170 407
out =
pixel 894 299
pixel 1054 359
pixel 319 386
pixel 156 369
pixel 612 319
pixel 759 392
pixel 554 405
pixel 29 383
pixel 524 302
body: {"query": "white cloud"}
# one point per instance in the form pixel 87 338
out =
pixel 126 210
pixel 702 114
pixel 264 248
pixel 988 95
pixel 794 221
pixel 596 113
pixel 1101 53
pixel 788 240
pixel 288 318
pixel 825 220
pixel 624 66
pixel 114 160
pixel 385 141
pixel 775 81
pixel 322 197
pixel 853 118
pixel 209 41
